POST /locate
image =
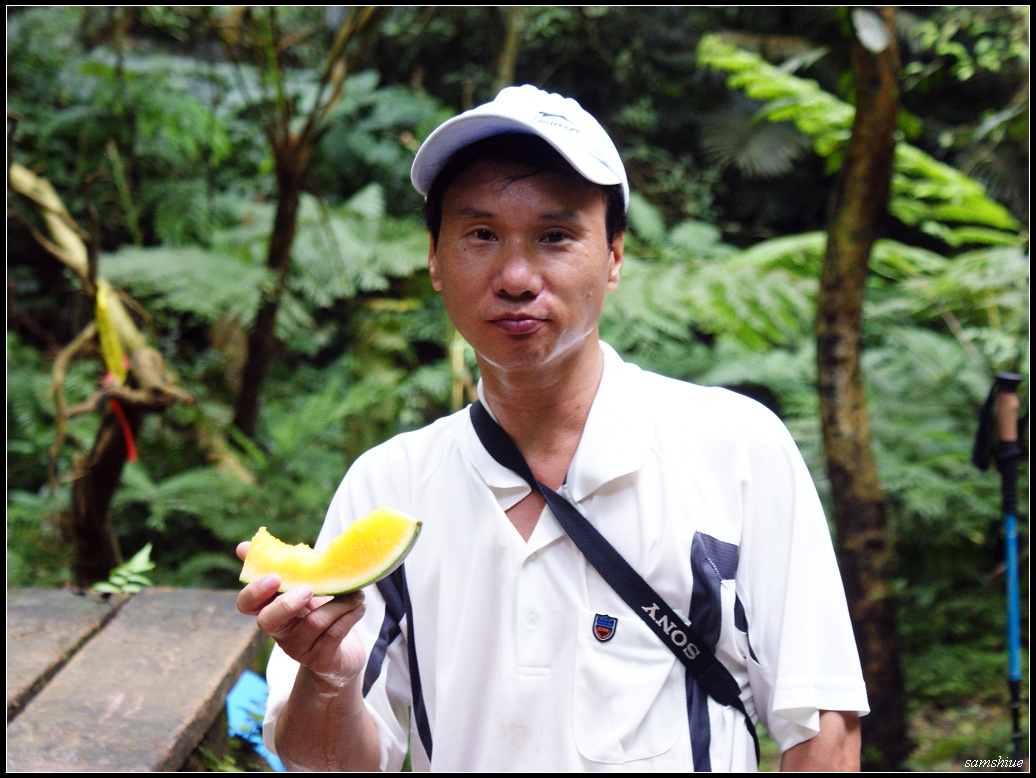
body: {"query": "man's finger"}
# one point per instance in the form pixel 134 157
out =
pixel 258 594
pixel 283 612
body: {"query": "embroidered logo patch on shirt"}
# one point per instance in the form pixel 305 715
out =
pixel 604 627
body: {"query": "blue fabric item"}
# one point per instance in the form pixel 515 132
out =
pixel 246 705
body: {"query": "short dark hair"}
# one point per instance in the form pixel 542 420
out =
pixel 524 148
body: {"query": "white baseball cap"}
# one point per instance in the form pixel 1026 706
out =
pixel 560 121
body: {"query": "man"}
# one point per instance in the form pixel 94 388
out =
pixel 497 646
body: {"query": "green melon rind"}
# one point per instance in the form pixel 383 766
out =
pixel 348 586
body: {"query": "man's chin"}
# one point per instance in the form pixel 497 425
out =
pixel 529 354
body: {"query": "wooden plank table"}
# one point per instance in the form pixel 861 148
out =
pixel 44 629
pixel 128 684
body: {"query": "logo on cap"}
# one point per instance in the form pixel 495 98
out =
pixel 556 120
pixel 604 627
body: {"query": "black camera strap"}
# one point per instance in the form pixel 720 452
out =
pixel 677 634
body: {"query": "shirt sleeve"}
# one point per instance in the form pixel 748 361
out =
pixel 386 675
pixel 804 655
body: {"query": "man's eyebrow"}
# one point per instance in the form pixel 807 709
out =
pixel 471 212
pixel 560 216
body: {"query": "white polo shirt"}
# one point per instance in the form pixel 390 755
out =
pixel 702 491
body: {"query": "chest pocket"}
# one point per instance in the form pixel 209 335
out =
pixel 629 693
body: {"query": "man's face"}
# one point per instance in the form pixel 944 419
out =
pixel 523 262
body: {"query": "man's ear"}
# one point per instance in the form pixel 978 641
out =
pixel 433 265
pixel 615 262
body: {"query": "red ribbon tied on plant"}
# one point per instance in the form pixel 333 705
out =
pixel 120 414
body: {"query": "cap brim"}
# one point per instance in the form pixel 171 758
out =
pixel 463 130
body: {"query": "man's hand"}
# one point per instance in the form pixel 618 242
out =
pixel 314 631
pixel 324 724
pixel 836 748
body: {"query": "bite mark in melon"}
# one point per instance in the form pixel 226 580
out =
pixel 369 549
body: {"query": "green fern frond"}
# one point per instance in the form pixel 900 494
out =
pixel 318 413
pixel 248 235
pixel 25 509
pixel 187 280
pixel 204 493
pixel 924 192
pixel 700 239
pixel 983 297
pixel 295 323
pixel 645 220
pixel 815 112
pixel 929 392
pixel 353 248
pixel 368 203
pixel 763 295
pixel 69 120
pixel 761 311
pixel 799 254
pixel 790 374
pixel 650 305
pixel 896 262
pixel 31 413
pixel 129 578
pixel 740 136
pixel 183 212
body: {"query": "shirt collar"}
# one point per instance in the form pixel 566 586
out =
pixel 613 444
pixel 509 487
pixel 614 439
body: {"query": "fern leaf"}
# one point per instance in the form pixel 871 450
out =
pixel 188 280
pixel 925 193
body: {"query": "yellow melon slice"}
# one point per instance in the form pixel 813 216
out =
pixel 369 549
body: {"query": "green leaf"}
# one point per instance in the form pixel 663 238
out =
pixel 127 577
pixel 645 219
pixel 926 193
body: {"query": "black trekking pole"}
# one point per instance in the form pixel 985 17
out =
pixel 999 437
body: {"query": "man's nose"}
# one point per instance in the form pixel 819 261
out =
pixel 518 276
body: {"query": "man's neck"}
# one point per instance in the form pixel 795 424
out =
pixel 545 411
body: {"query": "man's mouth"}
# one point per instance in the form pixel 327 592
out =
pixel 518 323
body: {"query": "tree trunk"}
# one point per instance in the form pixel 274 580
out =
pixel 507 59
pixel 292 161
pixel 858 203
pixel 293 152
pixel 97 475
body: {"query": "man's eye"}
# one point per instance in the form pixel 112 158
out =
pixel 483 235
pixel 554 236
